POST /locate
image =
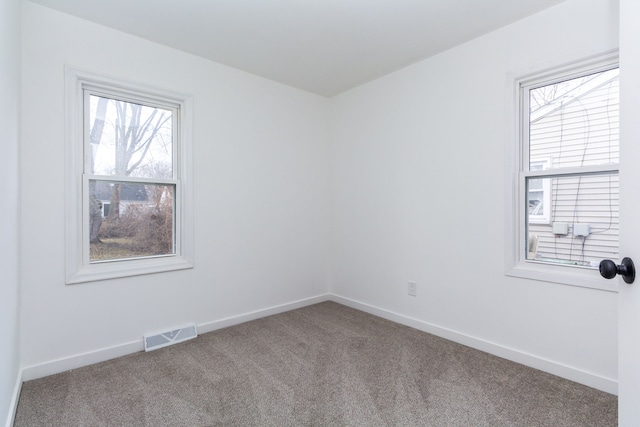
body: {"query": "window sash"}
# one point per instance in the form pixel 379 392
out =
pixel 177 216
pixel 145 100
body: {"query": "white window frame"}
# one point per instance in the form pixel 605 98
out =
pixel 516 244
pixel 78 267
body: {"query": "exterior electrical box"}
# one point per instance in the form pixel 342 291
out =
pixel 561 228
pixel 581 230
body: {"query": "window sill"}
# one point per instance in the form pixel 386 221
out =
pixel 127 268
pixel 563 274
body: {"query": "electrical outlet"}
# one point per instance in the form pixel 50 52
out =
pixel 412 289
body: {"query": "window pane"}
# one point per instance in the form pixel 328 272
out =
pixel 574 123
pixel 130 220
pixel 128 139
pixel 588 206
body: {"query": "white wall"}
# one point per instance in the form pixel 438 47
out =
pixel 10 124
pixel 418 181
pixel 260 174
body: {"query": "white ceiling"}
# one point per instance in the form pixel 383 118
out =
pixel 321 46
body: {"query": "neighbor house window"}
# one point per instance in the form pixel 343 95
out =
pixel 567 181
pixel 128 199
pixel 539 194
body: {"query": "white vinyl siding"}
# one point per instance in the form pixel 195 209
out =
pixel 596 205
pixel 582 132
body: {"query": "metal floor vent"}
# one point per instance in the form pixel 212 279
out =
pixel 163 339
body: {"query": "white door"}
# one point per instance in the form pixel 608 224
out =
pixel 629 295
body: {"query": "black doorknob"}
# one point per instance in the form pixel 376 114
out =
pixel 609 269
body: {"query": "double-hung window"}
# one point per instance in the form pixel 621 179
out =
pixel 128 195
pixel 566 197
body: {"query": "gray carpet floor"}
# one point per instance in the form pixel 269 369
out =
pixel 322 365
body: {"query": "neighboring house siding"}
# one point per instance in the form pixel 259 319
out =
pixel 561 137
pixel 130 194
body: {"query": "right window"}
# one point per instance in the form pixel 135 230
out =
pixel 568 181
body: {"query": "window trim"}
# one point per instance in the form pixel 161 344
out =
pixel 516 243
pixel 78 269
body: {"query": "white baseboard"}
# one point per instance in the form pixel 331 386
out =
pixel 247 317
pixel 103 354
pixel 13 405
pixel 77 361
pixel 607 385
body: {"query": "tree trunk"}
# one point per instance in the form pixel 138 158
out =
pixel 95 205
pixel 95 216
pixel 114 207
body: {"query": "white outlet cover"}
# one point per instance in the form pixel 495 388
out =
pixel 412 289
